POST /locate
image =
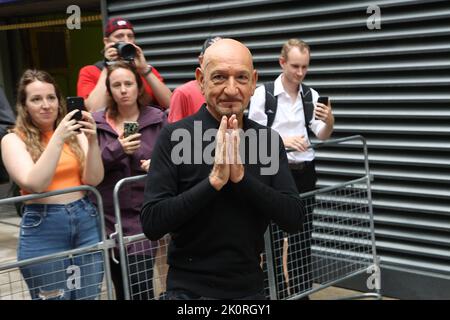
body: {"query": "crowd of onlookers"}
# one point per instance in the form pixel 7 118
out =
pixel 122 132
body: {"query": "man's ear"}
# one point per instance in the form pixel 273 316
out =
pixel 282 62
pixel 105 41
pixel 199 76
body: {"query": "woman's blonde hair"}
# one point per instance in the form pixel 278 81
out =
pixel 27 130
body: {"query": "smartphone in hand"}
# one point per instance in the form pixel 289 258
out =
pixel 75 103
pixel 129 128
pixel 323 100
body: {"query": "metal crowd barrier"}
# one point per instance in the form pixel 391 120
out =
pixel 83 272
pixel 145 269
pixel 341 245
pixel 337 241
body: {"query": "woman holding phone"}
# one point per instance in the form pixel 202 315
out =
pixel 46 151
pixel 127 132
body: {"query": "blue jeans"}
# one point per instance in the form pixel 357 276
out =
pixel 52 228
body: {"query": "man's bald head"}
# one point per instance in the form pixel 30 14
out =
pixel 227 48
pixel 227 78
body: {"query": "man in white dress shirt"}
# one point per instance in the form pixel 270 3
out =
pixel 296 117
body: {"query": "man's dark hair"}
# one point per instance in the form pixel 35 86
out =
pixel 208 42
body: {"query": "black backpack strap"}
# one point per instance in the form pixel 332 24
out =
pixel 100 64
pixel 308 106
pixel 270 109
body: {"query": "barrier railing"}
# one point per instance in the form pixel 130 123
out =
pixel 337 241
pixel 340 245
pixel 77 273
pixel 145 268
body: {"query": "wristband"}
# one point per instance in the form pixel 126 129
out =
pixel 150 69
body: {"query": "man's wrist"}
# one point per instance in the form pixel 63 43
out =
pixel 330 122
pixel 148 71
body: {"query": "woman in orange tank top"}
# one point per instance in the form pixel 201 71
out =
pixel 48 150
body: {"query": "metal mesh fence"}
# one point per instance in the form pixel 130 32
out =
pixel 12 286
pixel 147 267
pixel 335 242
pixel 77 277
pixel 79 274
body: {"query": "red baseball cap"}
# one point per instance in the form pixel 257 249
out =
pixel 114 24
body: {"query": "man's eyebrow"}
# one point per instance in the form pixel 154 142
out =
pixel 218 71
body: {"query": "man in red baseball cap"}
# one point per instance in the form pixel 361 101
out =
pixel 114 24
pixel 91 79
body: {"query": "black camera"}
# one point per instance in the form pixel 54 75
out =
pixel 125 50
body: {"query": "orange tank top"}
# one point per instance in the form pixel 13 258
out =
pixel 67 172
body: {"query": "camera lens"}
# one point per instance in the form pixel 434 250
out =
pixel 126 50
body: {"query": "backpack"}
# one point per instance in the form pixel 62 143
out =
pixel 100 64
pixel 270 108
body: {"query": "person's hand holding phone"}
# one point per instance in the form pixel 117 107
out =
pixel 322 110
pixel 68 127
pixel 89 128
pixel 130 138
pixel 131 143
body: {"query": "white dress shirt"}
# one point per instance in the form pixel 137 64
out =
pixel 289 119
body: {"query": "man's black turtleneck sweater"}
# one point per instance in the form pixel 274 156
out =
pixel 217 236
